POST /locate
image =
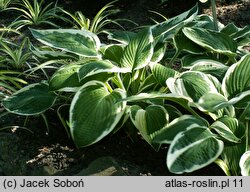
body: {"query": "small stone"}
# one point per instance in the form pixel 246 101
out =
pixel 104 166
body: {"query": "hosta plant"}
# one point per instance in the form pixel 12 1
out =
pixel 202 113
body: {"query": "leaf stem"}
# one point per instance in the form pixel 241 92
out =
pixel 213 4
pixel 25 121
pixel 243 115
pixel 171 62
pixel 136 79
pixel 109 87
pixel 247 136
pixel 119 81
pixel 46 122
pixel 223 166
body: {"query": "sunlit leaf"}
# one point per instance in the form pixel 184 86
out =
pixel 80 42
pixel 193 149
pixel 162 73
pixel 49 54
pixel 114 53
pixel 212 40
pixel 212 102
pixel 168 28
pixel 139 51
pixel 237 79
pixel 122 36
pixel 245 164
pixel 231 156
pixel 168 133
pixel 148 97
pixel 182 43
pixel 94 113
pixel 148 121
pixel 65 78
pixel 159 51
pixel 99 70
pixel 229 128
pixel 191 84
pixel 211 67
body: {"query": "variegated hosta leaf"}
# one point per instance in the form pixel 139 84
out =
pixel 241 100
pixel 212 40
pixel 223 166
pixel 231 155
pixel 189 60
pixel 215 101
pixel 182 43
pixel 245 164
pixel 242 36
pixel 229 128
pixel 94 112
pixel 139 51
pixel 65 78
pixel 237 78
pixel 99 70
pixel 230 29
pixel 215 105
pixel 215 68
pixel 193 149
pixel 148 97
pixel 242 33
pixel 123 37
pixel 203 1
pixel 52 55
pixel 123 120
pixel 113 53
pixel 31 100
pixel 212 102
pixel 168 133
pixel 168 28
pixel 162 73
pixel 149 121
pixel 148 84
pixel 206 22
pixel 232 130
pixel 159 51
pixel 192 84
pixel 173 111
pixel 215 81
pixel 79 42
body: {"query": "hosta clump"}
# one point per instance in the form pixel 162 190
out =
pixel 202 113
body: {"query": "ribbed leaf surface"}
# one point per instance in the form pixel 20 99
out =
pixel 212 40
pixel 94 113
pixel 148 121
pixel 139 51
pixel 193 149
